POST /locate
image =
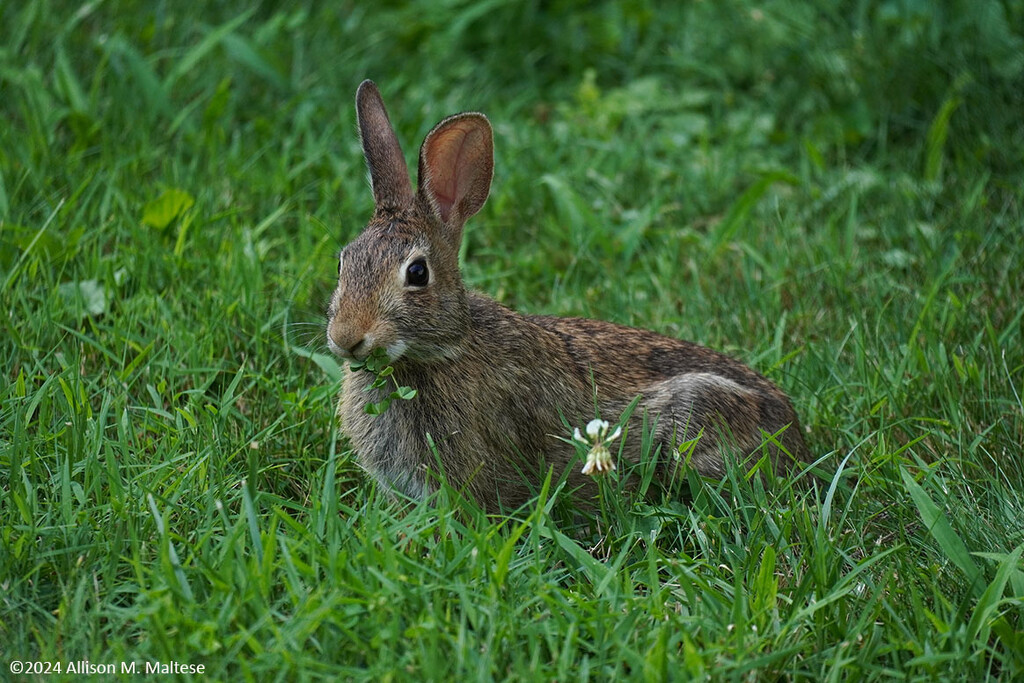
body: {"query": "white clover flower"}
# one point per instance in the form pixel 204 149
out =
pixel 595 428
pixel 599 458
pixel 599 461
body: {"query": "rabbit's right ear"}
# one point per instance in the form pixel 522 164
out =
pixel 456 165
pixel 388 173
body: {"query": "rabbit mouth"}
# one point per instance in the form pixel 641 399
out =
pixel 333 347
pixel 358 351
pixel 365 347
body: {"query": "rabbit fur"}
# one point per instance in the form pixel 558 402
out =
pixel 494 386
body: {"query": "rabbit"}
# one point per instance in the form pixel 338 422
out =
pixel 494 386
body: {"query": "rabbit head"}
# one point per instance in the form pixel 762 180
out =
pixel 399 286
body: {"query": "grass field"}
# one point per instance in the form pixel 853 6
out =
pixel 834 195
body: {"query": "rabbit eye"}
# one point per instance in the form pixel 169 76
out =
pixel 416 274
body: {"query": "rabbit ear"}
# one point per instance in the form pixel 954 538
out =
pixel 388 173
pixel 456 165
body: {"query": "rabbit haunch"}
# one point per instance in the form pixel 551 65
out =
pixel 493 385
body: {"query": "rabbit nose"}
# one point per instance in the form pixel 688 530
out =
pixel 349 339
pixel 347 347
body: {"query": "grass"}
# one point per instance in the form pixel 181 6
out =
pixel 832 194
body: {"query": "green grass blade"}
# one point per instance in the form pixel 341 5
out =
pixel 936 139
pixel 172 554
pixel 16 269
pixel 69 83
pixel 210 41
pixel 242 51
pixel 940 529
pixel 982 619
pixel 148 89
pixel 252 521
pixel 736 217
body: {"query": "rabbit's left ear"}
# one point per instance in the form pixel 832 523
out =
pixel 388 173
pixel 456 165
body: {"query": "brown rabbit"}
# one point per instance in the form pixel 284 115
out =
pixel 492 385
